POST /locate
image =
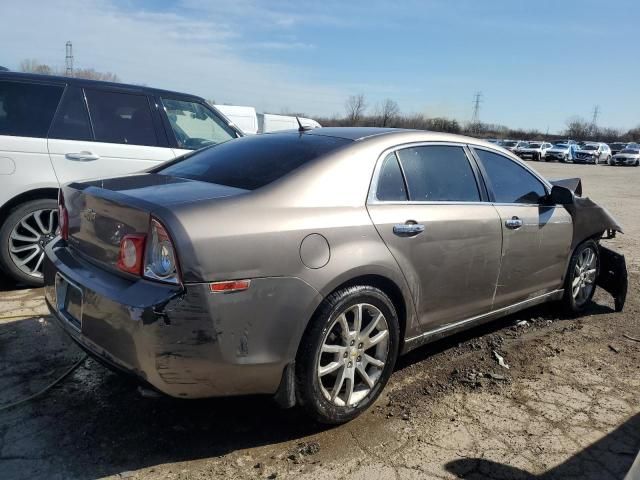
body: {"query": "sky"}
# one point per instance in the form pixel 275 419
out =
pixel 537 63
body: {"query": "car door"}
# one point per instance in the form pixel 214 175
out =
pixel 101 133
pixel 26 111
pixel 429 207
pixel 536 236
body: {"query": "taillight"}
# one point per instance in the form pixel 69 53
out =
pixel 131 253
pixel 160 257
pixel 63 217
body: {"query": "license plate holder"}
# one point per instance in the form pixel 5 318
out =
pixel 69 301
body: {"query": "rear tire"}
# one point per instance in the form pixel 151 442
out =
pixel 580 282
pixel 23 235
pixel 340 372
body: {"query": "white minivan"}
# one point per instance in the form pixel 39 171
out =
pixel 55 130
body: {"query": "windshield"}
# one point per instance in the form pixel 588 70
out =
pixel 631 150
pixel 194 125
pixel 618 145
pixel 509 143
pixel 590 147
pixel 252 162
pixel 535 145
pixel 561 146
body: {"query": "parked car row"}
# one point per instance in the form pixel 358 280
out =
pixel 592 153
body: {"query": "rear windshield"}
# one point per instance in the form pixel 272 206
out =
pixel 252 162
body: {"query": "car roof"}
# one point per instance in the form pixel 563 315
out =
pixel 82 82
pixel 354 133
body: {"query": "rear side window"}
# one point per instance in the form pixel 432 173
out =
pixel 26 109
pixel 72 119
pixel 390 181
pixel 121 118
pixel 510 182
pixel 438 173
pixel 252 162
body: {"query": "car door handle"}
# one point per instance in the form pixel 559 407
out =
pixel 408 229
pixel 82 156
pixel 513 223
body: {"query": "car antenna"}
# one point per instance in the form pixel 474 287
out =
pixel 302 128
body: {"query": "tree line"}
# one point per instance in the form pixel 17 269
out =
pixel 387 114
pixel 33 66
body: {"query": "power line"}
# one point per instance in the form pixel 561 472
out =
pixel 69 59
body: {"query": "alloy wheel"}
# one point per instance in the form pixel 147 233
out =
pixel 584 276
pixel 354 352
pixel 28 239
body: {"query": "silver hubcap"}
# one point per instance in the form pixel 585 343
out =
pixel 28 239
pixel 584 275
pixel 353 354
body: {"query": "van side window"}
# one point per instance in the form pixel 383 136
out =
pixel 121 118
pixel 26 109
pixel 72 119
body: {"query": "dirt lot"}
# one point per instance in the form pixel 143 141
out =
pixel 568 406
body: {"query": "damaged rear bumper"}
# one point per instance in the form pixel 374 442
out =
pixel 613 276
pixel 183 340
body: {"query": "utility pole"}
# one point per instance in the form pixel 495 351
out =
pixel 69 59
pixel 475 118
pixel 594 120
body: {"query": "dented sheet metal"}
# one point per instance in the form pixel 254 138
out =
pixel 613 276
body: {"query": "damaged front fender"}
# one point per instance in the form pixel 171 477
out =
pixel 613 276
pixel 590 220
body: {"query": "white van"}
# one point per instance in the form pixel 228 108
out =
pixel 245 118
pixel 269 122
pixel 54 130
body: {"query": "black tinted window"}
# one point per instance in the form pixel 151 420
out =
pixel 252 162
pixel 510 182
pixel 390 182
pixel 26 109
pixel 438 173
pixel 72 121
pixel 121 118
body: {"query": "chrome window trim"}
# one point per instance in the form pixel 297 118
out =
pixel 372 198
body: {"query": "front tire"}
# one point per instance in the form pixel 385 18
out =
pixel 580 283
pixel 347 354
pixel 23 236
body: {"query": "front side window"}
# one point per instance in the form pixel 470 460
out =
pixel 72 119
pixel 194 125
pixel 438 174
pixel 511 183
pixel 26 109
pixel 390 182
pixel 121 118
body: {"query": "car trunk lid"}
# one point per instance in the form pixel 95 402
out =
pixel 102 212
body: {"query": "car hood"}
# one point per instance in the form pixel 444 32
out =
pixel 558 150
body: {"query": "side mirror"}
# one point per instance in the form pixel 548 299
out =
pixel 560 195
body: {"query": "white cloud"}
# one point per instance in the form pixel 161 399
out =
pixel 199 54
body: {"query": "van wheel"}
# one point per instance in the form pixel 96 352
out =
pixel 580 284
pixel 347 354
pixel 23 236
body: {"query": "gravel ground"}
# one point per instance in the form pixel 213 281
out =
pixel 568 406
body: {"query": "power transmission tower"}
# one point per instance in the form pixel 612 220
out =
pixel 475 118
pixel 69 59
pixel 594 120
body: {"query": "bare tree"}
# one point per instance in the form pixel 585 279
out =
pixel 578 128
pixel 387 112
pixel 33 66
pixel 91 74
pixel 355 107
